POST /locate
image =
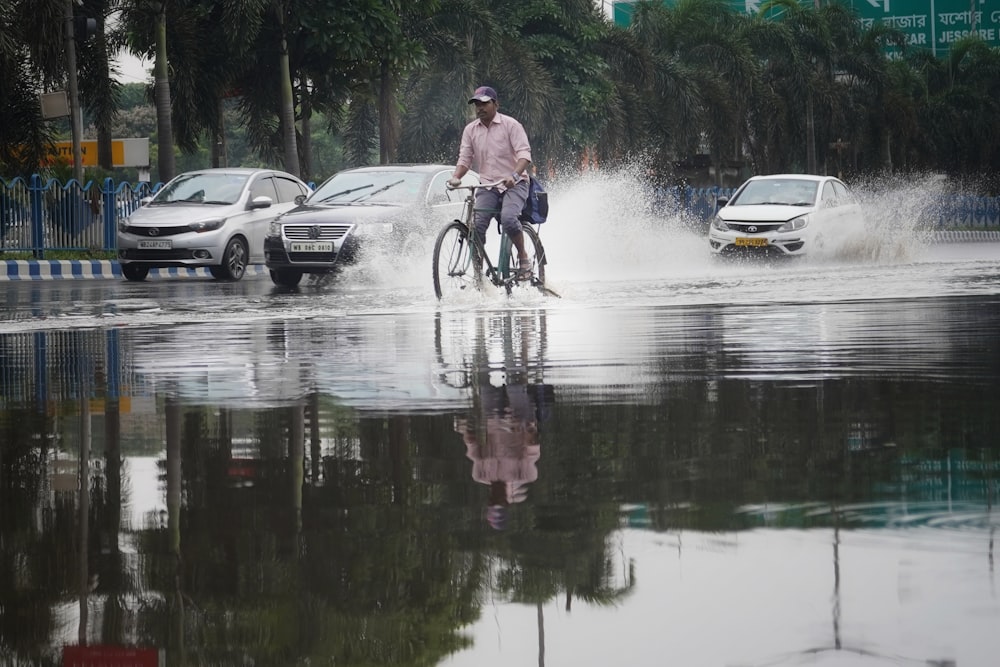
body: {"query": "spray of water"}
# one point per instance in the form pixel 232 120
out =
pixel 896 212
pixel 606 226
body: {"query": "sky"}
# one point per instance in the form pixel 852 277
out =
pixel 132 69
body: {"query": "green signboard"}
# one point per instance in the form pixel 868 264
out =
pixel 934 24
pixel 928 24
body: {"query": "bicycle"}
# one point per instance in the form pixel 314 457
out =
pixel 459 256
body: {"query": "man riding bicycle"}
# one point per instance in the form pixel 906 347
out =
pixel 498 147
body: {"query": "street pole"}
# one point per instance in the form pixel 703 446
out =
pixel 75 117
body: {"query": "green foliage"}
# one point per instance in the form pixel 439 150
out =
pixel 385 79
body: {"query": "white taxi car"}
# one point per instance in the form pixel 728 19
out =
pixel 783 214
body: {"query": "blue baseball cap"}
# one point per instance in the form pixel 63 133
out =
pixel 483 94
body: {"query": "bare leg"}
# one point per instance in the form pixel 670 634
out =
pixel 518 241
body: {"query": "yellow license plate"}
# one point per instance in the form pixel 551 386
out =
pixel 756 242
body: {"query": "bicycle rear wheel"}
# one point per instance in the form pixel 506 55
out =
pixel 456 267
pixel 536 253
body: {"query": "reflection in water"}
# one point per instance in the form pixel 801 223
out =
pixel 502 435
pixel 334 516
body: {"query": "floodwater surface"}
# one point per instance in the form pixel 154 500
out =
pixel 681 461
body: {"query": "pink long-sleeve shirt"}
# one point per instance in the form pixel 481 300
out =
pixel 493 150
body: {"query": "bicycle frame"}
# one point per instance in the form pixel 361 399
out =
pixel 469 211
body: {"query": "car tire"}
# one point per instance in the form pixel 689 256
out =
pixel 286 277
pixel 135 272
pixel 234 261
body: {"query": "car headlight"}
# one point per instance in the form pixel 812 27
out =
pixel 274 229
pixel 795 224
pixel 373 229
pixel 719 224
pixel 206 225
pixel 123 226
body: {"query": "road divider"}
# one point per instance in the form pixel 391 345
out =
pixel 90 269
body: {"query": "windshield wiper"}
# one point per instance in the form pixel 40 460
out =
pixel 381 189
pixel 347 192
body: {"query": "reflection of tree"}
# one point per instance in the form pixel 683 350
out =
pixel 367 544
pixel 558 542
pixel 367 566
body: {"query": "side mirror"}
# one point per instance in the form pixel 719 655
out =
pixel 263 201
pixel 721 201
pixel 299 199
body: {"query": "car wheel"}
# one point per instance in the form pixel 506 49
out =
pixel 234 261
pixel 135 272
pixel 286 277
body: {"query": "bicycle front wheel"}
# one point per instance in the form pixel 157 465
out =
pixel 455 265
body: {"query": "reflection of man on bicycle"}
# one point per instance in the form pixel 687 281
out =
pixel 504 449
pixel 498 147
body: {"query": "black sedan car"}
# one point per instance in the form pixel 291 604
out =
pixel 383 205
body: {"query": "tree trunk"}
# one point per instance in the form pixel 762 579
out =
pixel 164 125
pixel 306 165
pixel 288 113
pixel 388 116
pixel 219 149
pixel 886 149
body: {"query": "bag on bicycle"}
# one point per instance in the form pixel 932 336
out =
pixel 536 206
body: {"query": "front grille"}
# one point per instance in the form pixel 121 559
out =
pixel 156 255
pixel 316 232
pixel 160 231
pixel 759 227
pixel 312 257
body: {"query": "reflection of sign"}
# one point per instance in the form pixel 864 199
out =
pixel 110 656
pixel 927 24
pixel 124 152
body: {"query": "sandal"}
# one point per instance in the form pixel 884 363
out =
pixel 525 272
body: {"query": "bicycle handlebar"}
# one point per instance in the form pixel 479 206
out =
pixel 475 186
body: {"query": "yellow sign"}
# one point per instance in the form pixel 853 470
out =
pixel 124 152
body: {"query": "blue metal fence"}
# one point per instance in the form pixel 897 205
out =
pixel 40 216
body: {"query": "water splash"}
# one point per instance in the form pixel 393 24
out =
pixel 896 212
pixel 607 226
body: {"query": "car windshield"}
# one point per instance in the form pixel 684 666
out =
pixel 380 187
pixel 791 191
pixel 202 189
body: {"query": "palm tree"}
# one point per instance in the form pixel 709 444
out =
pixel 98 90
pixel 460 32
pixel 24 135
pixel 686 87
pixel 959 114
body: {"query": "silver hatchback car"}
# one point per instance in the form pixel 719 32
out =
pixel 214 218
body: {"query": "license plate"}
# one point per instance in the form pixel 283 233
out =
pixel 313 246
pixel 159 244
pixel 751 241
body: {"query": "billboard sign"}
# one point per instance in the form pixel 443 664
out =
pixel 933 24
pixel 124 152
pixel 927 24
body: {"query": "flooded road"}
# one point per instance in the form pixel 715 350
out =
pixel 679 462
